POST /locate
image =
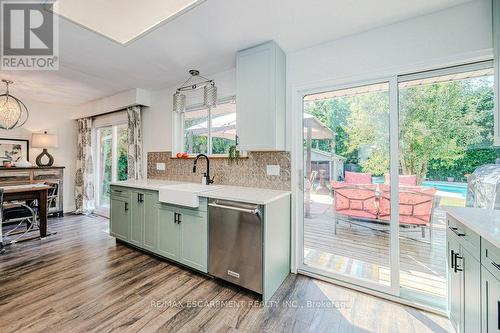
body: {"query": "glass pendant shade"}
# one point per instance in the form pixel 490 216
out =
pixel 210 96
pixel 179 102
pixel 195 82
pixel 13 112
pixel 10 112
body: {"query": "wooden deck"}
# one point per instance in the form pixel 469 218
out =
pixel 362 249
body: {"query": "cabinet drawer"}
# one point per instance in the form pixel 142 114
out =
pixel 17 177
pixel 140 195
pixel 47 174
pixel 468 238
pixel 490 257
pixel 119 192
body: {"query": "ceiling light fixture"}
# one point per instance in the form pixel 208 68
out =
pixel 195 82
pixel 13 112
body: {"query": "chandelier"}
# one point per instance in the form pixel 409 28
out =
pixel 196 81
pixel 13 112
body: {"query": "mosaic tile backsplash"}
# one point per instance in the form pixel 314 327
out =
pixel 250 171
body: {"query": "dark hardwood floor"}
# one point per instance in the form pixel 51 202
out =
pixel 82 280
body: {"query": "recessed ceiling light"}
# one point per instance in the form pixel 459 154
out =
pixel 122 20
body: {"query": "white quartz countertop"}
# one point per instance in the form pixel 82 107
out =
pixel 146 184
pixel 254 195
pixel 485 222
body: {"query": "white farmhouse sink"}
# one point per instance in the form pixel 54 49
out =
pixel 186 194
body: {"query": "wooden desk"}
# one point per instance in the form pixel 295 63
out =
pixel 27 192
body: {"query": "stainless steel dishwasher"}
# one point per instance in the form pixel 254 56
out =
pixel 235 243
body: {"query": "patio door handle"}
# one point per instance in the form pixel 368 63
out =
pixel 301 180
pixel 457 269
pixel 452 259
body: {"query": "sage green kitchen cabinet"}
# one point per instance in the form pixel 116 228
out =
pixel 168 233
pixel 173 232
pixel 120 218
pixel 151 219
pixel 261 97
pixel 471 290
pixel 136 218
pixel 183 235
pixel 454 282
pixel 473 280
pixel 464 278
pixel 193 229
pixel 143 218
pixel 490 286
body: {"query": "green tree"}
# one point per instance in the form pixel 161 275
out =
pixel 441 122
pixel 445 128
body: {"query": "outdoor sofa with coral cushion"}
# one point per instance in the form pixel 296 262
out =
pixel 371 202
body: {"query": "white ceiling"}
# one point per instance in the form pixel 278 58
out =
pixel 205 38
pixel 106 17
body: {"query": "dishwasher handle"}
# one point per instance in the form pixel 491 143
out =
pixel 244 210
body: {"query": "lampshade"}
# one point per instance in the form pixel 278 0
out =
pixel 179 102
pixel 44 140
pixel 210 96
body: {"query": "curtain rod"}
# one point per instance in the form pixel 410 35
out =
pixel 109 112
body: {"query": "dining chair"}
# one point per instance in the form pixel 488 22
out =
pixel 17 212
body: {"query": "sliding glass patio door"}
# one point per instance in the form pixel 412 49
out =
pixel 446 133
pixel 380 162
pixel 346 157
pixel 111 162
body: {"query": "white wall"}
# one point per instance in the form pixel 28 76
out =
pixel 157 119
pixel 433 40
pixel 452 36
pixel 55 119
pixel 115 102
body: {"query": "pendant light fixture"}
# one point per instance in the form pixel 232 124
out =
pixel 13 112
pixel 195 82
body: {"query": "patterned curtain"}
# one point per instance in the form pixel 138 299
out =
pixel 84 179
pixel 134 142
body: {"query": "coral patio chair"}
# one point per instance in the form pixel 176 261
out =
pixel 404 180
pixel 354 201
pixel 416 205
pixel 358 178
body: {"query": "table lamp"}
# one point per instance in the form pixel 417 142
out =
pixel 44 140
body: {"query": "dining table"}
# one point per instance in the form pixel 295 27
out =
pixel 28 193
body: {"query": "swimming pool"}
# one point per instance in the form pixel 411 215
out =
pixel 458 188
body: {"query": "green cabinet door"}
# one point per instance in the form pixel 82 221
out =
pixel 490 287
pixel 194 239
pixel 150 222
pixel 454 282
pixel 471 320
pixel 168 233
pixel 120 218
pixel 136 218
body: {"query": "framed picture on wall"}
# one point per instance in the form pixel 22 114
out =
pixel 14 150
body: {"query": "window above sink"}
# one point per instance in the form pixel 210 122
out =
pixel 210 131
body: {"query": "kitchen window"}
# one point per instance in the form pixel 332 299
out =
pixel 209 131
